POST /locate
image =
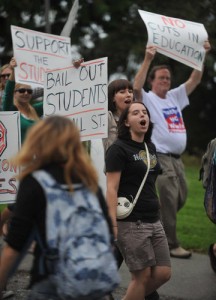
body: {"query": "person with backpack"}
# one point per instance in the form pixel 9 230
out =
pixel 130 161
pixel 60 205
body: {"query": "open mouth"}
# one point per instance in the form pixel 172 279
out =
pixel 143 123
pixel 127 101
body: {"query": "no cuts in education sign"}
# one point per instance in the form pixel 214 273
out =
pixel 176 38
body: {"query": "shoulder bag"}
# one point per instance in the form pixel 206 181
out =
pixel 125 206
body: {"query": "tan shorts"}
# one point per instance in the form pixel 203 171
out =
pixel 143 245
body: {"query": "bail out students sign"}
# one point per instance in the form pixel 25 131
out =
pixel 36 52
pixel 178 39
pixel 10 142
pixel 80 94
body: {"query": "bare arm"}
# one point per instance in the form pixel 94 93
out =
pixel 196 75
pixel 9 257
pixel 113 179
pixel 141 75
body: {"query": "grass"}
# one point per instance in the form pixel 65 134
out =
pixel 195 230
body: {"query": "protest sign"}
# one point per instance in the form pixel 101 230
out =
pixel 10 141
pixel 80 94
pixel 176 38
pixel 36 52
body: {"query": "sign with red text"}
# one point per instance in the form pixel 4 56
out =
pixel 81 95
pixel 10 142
pixel 176 38
pixel 37 52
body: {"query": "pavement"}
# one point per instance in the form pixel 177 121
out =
pixel 192 279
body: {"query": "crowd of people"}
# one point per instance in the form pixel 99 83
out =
pixel 142 135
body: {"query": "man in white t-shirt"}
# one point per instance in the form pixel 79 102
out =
pixel 169 137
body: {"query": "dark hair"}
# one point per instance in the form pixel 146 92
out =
pixel 113 88
pixel 151 75
pixel 124 131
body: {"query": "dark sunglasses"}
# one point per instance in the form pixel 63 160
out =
pixel 22 91
pixel 4 75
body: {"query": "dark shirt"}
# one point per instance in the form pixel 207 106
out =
pixel 128 157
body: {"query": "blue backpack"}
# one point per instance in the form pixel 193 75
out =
pixel 83 264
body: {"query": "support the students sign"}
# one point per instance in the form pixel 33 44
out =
pixel 80 94
pixel 179 39
pixel 9 145
pixel 36 52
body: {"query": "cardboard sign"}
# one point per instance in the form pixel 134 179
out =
pixel 178 39
pixel 37 52
pixel 80 94
pixel 10 142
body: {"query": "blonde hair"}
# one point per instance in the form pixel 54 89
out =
pixel 28 109
pixel 56 139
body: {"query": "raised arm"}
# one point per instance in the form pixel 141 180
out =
pixel 12 64
pixel 7 99
pixel 196 75
pixel 141 75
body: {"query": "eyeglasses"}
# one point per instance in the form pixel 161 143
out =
pixel 22 91
pixel 4 75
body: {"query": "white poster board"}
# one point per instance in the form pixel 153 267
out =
pixel 10 142
pixel 81 95
pixel 36 52
pixel 176 38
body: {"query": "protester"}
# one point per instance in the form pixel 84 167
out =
pixel 140 237
pixel 17 97
pixel 4 75
pixel 53 145
pixel 120 96
pixel 169 137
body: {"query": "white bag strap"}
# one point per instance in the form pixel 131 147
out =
pixel 146 174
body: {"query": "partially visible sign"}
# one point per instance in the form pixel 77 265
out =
pixel 66 31
pixel 37 52
pixel 176 38
pixel 10 143
pixel 81 95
